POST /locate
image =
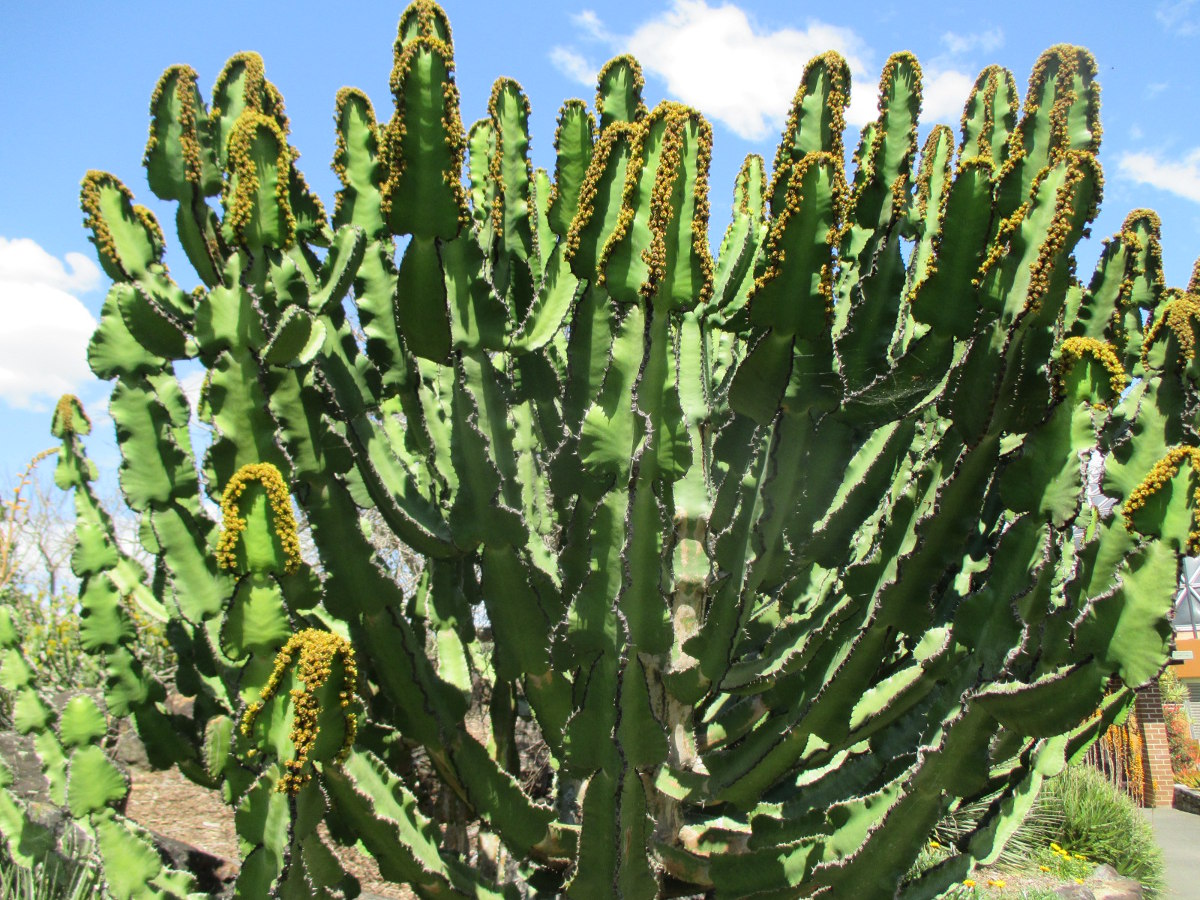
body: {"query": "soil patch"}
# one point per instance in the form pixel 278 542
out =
pixel 169 804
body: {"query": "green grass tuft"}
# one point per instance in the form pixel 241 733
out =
pixel 1101 823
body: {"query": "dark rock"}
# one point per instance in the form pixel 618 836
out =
pixel 29 784
pixel 129 749
pixel 22 760
pixel 213 874
pixel 1187 799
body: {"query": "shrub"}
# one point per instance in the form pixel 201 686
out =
pixel 1171 688
pixel 1102 824
pixel 1185 750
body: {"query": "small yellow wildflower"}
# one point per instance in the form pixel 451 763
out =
pixel 995 882
pixel 969 882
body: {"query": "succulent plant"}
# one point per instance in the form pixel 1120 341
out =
pixel 778 557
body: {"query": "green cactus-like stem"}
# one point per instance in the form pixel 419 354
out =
pixel 772 557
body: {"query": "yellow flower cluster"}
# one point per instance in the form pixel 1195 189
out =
pixel 181 80
pixel 244 183
pixel 638 82
pixel 1179 315
pixel 316 650
pixel 90 198
pixel 605 152
pixel 249 66
pixel 1142 259
pixel 1162 472
pixel 870 163
pixel 69 420
pixel 232 524
pixel 405 55
pixel 675 119
pixel 430 21
pixel 793 206
pixel 985 106
pixel 1072 351
pixel 1065 63
pixel 496 162
pixel 836 69
pixel 670 166
pixel 1080 165
pixel 347 97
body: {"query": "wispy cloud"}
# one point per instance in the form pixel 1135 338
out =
pixel 1176 176
pixel 572 64
pixel 589 23
pixel 751 91
pixel 1179 17
pixel 983 41
pixel 950 75
pixel 43 344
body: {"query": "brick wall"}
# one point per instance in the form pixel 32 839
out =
pixel 1160 779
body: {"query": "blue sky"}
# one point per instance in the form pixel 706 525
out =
pixel 78 77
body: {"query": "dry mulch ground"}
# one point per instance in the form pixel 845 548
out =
pixel 167 803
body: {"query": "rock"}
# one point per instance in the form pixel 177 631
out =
pixel 1126 889
pixel 214 876
pixel 130 749
pixel 1107 883
pixel 22 760
pixel 1075 892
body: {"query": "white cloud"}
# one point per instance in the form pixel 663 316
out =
pixel 573 65
pixel 984 41
pixel 43 344
pixel 1176 176
pixel 590 23
pixel 944 94
pixel 751 91
pixel 1177 17
pixel 22 260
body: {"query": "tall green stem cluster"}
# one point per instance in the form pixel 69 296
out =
pixel 776 557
